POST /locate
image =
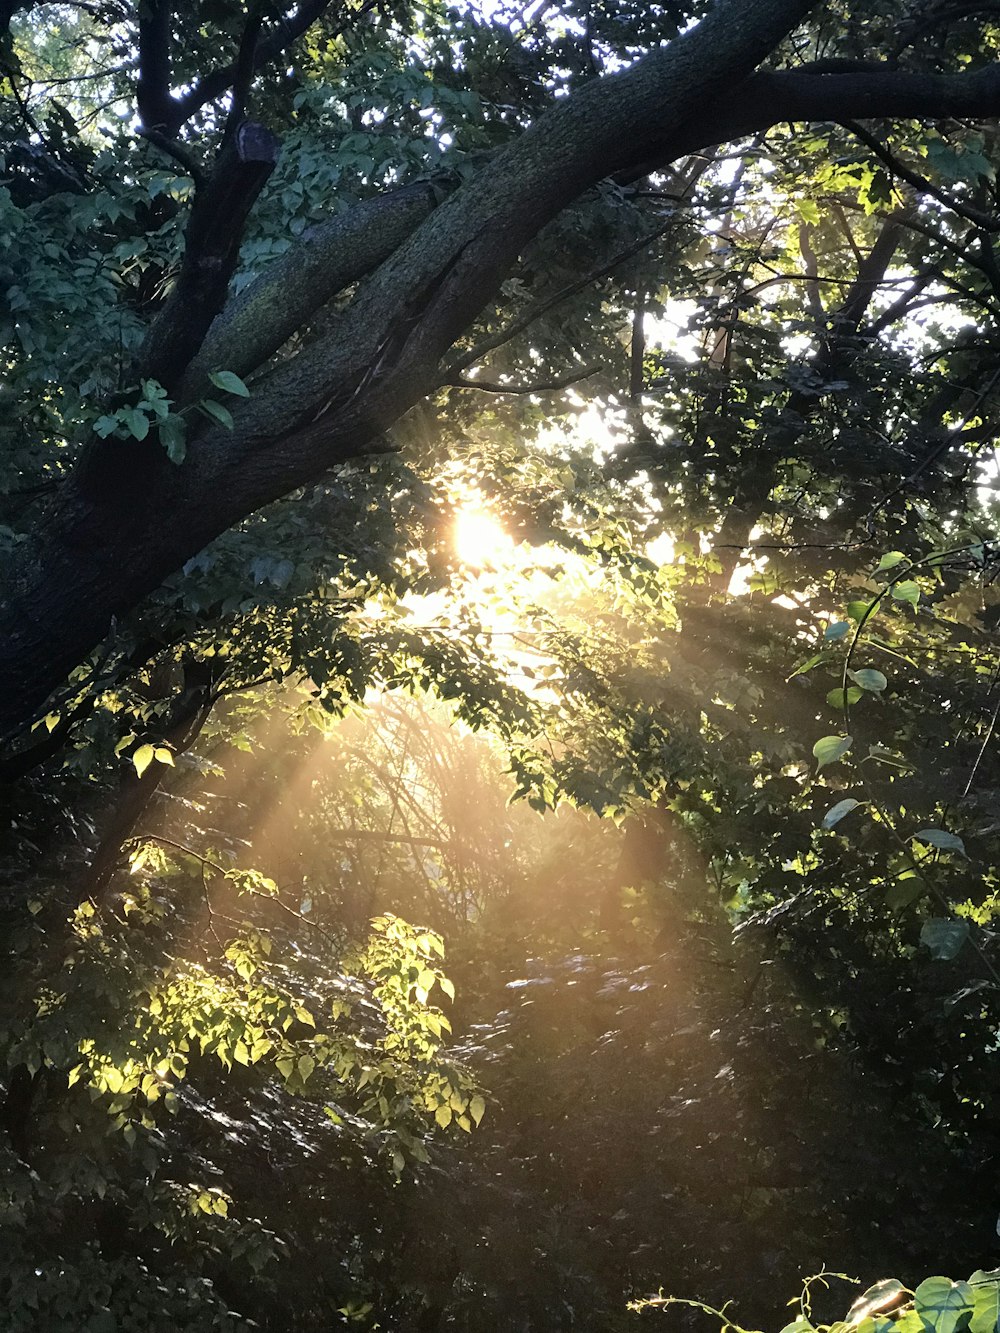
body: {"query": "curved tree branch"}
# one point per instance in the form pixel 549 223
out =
pixel 156 106
pixel 332 257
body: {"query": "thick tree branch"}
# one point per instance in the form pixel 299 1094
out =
pixel 156 106
pixel 244 69
pixel 775 97
pixel 334 255
pixel 179 153
pixel 211 249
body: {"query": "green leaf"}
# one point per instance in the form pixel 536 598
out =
pixel 907 591
pixel 841 698
pixel 941 1303
pixel 942 839
pixel 229 382
pixel 986 1311
pixel 477 1108
pixel 173 437
pixel 105 426
pixel 858 611
pixel 944 937
pixel 890 560
pixel 884 1295
pixel 831 748
pixel 425 982
pixel 137 422
pixel 869 679
pixel 215 410
pixel 813 661
pixel 164 756
pixel 906 890
pixel 837 812
pixel 443 1116
pixel 836 631
pixel 143 757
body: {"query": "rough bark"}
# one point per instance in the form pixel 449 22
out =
pixel 98 551
pixel 293 289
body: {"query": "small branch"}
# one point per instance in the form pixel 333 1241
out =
pixel 987 221
pixel 637 349
pixel 212 245
pixel 373 835
pixel 903 305
pixel 206 862
pixel 178 152
pixel 984 747
pixel 951 438
pixel 543 386
pixel 285 33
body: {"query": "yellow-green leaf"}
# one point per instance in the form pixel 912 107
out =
pixel 142 758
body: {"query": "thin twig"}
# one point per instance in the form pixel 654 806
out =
pixel 987 221
pixel 543 386
pixel 221 870
pixel 539 308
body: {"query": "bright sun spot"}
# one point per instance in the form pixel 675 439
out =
pixel 661 549
pixel 479 539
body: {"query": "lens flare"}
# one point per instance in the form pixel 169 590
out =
pixel 480 541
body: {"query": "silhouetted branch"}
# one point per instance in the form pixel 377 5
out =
pixel 540 308
pixel 288 31
pixel 543 386
pixel 212 244
pixel 987 221
pixel 156 106
pixel 244 68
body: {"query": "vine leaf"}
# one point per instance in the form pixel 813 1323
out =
pixel 942 840
pixel 829 749
pixel 944 938
pixel 837 812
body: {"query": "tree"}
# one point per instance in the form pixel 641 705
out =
pixel 753 617
pixel 148 491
